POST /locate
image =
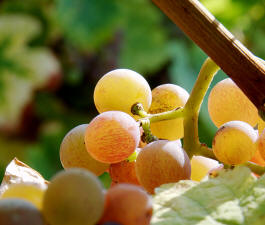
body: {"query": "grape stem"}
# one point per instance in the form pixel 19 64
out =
pixel 191 142
pixel 147 136
pixel 190 115
pixel 137 109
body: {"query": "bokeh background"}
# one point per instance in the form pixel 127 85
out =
pixel 52 53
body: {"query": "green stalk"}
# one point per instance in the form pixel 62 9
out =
pixel 191 141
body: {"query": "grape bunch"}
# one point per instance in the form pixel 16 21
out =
pixel 142 138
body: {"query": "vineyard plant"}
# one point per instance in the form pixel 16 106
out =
pixel 109 115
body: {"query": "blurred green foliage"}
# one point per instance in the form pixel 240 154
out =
pixel 81 40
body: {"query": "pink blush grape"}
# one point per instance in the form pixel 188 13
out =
pixel 112 136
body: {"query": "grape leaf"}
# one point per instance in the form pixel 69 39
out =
pixel 137 26
pixel 234 197
pixel 144 45
pixel 87 24
pixel 22 68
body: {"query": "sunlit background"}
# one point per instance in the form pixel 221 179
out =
pixel 52 53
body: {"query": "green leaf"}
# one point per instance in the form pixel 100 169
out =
pixel 234 198
pixel 144 44
pixel 18 29
pixel 136 27
pixel 87 24
pixel 180 71
pixel 22 68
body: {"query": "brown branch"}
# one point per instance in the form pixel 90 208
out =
pixel 217 42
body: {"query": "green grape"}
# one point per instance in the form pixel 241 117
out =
pixel 234 143
pixel 127 204
pixel 120 89
pixel 73 152
pixel 261 144
pixel 227 102
pixel 164 98
pixel 162 162
pixel 15 211
pixel 73 197
pixel 200 166
pixel 27 191
pixel 112 136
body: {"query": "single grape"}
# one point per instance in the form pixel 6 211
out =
pixel 261 125
pixel 261 144
pixel 127 204
pixel 73 152
pixel 257 158
pixel 200 166
pixel 167 97
pixel 162 162
pixel 234 143
pixel 15 211
pixel 120 89
pixel 227 102
pixel 73 197
pixel 112 136
pixel 27 191
pixel 123 172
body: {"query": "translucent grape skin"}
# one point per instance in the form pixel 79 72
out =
pixel 15 211
pixel 27 191
pixel 73 152
pixel 111 89
pixel 234 143
pixel 112 136
pixel 261 125
pixel 127 204
pixel 261 144
pixel 164 98
pixel 257 158
pixel 227 102
pixel 123 172
pixel 162 162
pixel 73 197
pixel 200 166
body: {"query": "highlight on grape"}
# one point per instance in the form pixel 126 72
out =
pixel 142 139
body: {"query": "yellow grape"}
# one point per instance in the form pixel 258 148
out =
pixel 227 102
pixel 15 211
pixel 261 144
pixel 127 204
pixel 120 89
pixel 73 152
pixel 200 166
pixel 112 136
pixel 234 143
pixel 162 162
pixel 261 125
pixel 26 191
pixel 73 197
pixel 164 98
